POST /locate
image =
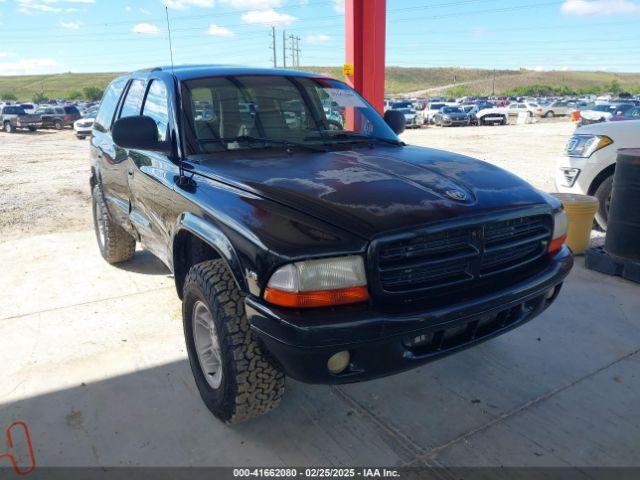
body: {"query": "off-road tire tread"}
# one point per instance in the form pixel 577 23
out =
pixel 257 385
pixel 119 245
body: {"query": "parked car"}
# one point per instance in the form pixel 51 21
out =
pixel 84 126
pixel 554 109
pixel 29 108
pixel 589 162
pixel 631 114
pixel 490 115
pixel 602 113
pixel 13 117
pixel 451 117
pixel 514 109
pixel 331 256
pixel 410 117
pixel 58 117
pixel 425 116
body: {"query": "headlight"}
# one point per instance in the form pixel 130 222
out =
pixel 560 225
pixel 586 145
pixel 319 283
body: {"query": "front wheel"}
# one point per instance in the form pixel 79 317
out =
pixel 8 127
pixel 115 243
pixel 236 379
pixel 549 115
pixel 33 129
pixel 603 194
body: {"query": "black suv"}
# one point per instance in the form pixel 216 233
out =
pixel 58 117
pixel 320 248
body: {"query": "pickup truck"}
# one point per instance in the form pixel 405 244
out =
pixel 328 251
pixel 13 117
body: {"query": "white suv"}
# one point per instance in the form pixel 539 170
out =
pixel 590 160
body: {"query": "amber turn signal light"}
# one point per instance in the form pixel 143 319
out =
pixel 322 298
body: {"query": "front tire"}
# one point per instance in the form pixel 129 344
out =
pixel 33 129
pixel 236 379
pixel 8 127
pixel 549 114
pixel 114 242
pixel 603 194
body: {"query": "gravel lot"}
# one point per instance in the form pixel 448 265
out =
pixel 44 176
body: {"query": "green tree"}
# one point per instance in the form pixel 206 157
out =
pixel 74 95
pixel 39 98
pixel 92 93
pixel 7 96
pixel 614 87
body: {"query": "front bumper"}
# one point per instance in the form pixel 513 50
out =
pixel 455 122
pixel 382 343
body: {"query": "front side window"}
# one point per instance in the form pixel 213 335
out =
pixel 108 105
pixel 156 106
pixel 133 102
pixel 243 112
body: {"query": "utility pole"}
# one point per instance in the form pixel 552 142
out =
pixel 494 83
pixel 297 51
pixel 292 47
pixel 284 48
pixel 273 47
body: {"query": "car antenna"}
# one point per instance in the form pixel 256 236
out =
pixel 182 179
pixel 166 11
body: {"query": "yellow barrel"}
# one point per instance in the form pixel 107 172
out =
pixel 581 210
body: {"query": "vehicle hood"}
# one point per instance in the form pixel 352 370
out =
pixel 370 191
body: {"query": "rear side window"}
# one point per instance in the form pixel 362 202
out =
pixel 156 106
pixel 108 105
pixel 60 111
pixel 71 110
pixel 133 102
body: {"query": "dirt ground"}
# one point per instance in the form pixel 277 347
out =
pixel 44 176
pixel 44 183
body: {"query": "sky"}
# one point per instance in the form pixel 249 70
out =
pixel 52 36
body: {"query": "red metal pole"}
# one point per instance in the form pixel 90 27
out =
pixel 366 36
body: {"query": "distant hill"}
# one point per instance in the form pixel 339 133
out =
pixel 412 81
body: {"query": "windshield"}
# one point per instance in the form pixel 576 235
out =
pixel 253 112
pixel 451 110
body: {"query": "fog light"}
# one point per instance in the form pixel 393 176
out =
pixel 550 293
pixel 339 362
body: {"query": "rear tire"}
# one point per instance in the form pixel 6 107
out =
pixel 114 242
pixel 603 194
pixel 57 125
pixel 239 381
pixel 8 127
pixel 33 129
pixel 549 114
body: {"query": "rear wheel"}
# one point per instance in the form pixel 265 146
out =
pixel 8 127
pixel 115 243
pixel 549 114
pixel 236 379
pixel 33 129
pixel 603 194
pixel 57 125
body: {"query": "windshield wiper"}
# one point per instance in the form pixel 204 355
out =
pixel 273 141
pixel 361 137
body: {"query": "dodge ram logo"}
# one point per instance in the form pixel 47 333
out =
pixel 456 194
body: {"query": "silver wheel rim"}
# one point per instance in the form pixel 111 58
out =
pixel 207 345
pixel 102 236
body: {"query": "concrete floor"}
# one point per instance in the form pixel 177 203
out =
pixel 94 362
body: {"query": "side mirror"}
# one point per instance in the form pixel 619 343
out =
pixel 138 133
pixel 395 120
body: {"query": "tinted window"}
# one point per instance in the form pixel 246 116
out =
pixel 60 111
pixel 71 110
pixel 108 105
pixel 133 102
pixel 156 106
